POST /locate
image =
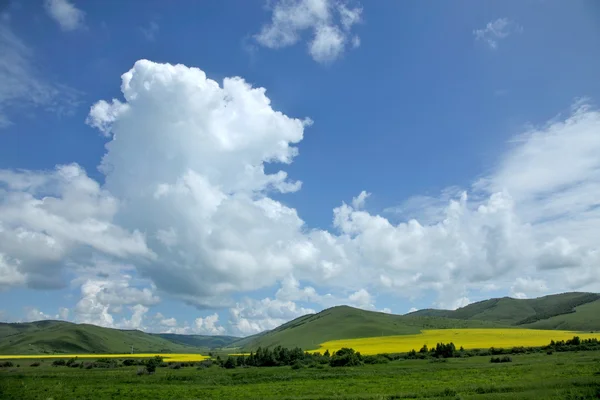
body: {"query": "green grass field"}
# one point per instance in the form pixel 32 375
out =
pixel 569 375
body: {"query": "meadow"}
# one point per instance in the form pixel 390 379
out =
pixel 568 375
pixel 167 357
pixel 467 338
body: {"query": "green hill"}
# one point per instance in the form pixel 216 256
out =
pixel 529 312
pixel 64 337
pixel 567 311
pixel 343 322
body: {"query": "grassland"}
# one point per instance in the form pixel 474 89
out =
pixel 168 357
pixel 530 376
pixel 467 338
pixel 65 337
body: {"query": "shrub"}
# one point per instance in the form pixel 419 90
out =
pixel 129 362
pixel 175 366
pixel 378 359
pixel 6 364
pixel 230 363
pixel 58 363
pixel 549 352
pixel 345 357
pixel 35 364
pixel 141 371
pixel 205 364
pixel 500 359
pixel 298 365
pixel 70 361
pixel 76 365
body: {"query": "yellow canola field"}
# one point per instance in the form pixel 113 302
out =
pixel 166 357
pixel 467 338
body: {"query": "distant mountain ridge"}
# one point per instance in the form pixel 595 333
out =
pixel 574 311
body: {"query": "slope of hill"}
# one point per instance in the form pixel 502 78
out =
pixel 586 317
pixel 203 341
pixel 520 312
pixel 64 337
pixel 343 322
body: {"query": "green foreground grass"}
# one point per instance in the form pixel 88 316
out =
pixel 572 375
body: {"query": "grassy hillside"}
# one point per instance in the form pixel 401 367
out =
pixel 525 312
pixel 345 322
pixel 209 342
pixel 64 337
pixel 586 317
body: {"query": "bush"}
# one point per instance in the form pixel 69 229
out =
pixel 35 364
pixel 6 364
pixel 500 359
pixel 549 352
pixel 345 357
pixel 298 365
pixel 129 362
pixel 141 371
pixel 230 363
pixel 175 366
pixel 378 359
pixel 70 361
pixel 58 363
pixel 205 364
pixel 76 365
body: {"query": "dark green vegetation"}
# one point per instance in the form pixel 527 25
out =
pixel 564 375
pixel 567 311
pixel 45 337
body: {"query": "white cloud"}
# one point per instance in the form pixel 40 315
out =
pixel 63 313
pixel 497 30
pixel 191 154
pixel 62 214
pixel 330 23
pixel 209 325
pixel 22 84
pixel 33 314
pixel 65 14
pixel 170 322
pixel 253 316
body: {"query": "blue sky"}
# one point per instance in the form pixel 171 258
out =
pixel 436 154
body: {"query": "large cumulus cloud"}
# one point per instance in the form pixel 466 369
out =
pixel 187 203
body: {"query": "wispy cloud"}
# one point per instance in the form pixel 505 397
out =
pixel 65 14
pixel 497 30
pixel 150 31
pixel 22 84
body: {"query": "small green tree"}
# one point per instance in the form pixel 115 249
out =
pixel 229 363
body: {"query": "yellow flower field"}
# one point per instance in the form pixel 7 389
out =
pixel 166 357
pixel 468 338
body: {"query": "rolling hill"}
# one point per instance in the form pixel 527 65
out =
pixel 529 312
pixel 64 337
pixel 344 322
pixel 567 311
